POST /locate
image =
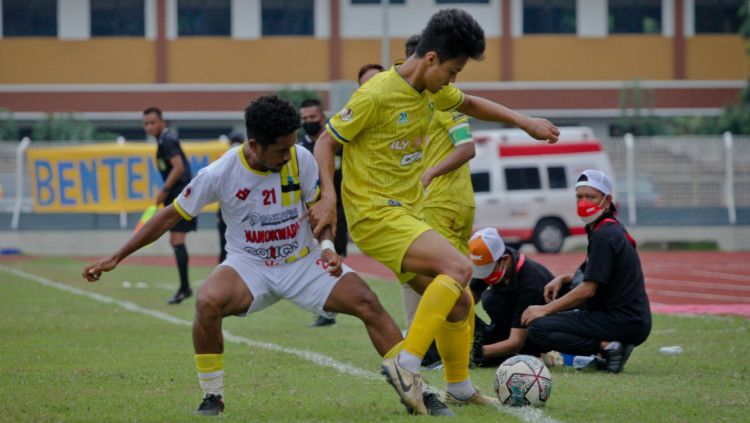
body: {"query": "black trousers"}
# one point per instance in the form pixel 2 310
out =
pixel 580 332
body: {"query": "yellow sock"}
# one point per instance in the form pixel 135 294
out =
pixel 395 350
pixel 453 341
pixel 437 301
pixel 210 373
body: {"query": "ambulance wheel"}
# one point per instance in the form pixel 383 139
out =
pixel 549 236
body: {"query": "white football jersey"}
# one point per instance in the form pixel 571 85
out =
pixel 262 213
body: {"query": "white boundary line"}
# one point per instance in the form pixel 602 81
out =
pixel 527 414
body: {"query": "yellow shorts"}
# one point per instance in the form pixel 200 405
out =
pixel 453 221
pixel 385 234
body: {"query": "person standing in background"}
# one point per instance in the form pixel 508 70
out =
pixel 175 172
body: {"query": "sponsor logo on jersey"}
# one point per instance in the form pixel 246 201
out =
pixel 403 118
pixel 346 114
pixel 411 158
pixel 400 145
pixel 186 193
pixel 274 252
pixel 273 219
pixel 268 235
pixel 243 193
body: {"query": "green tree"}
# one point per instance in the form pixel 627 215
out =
pixel 735 117
pixel 8 127
pixel 297 95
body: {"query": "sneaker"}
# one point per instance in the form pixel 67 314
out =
pixel 435 407
pixel 476 399
pixel 323 321
pixel 615 356
pixel 408 385
pixel 212 405
pixel 180 295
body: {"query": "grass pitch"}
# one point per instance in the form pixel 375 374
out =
pixel 68 357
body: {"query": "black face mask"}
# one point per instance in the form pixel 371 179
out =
pixel 312 128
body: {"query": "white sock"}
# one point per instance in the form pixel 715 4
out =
pixel 461 390
pixel 212 383
pixel 409 361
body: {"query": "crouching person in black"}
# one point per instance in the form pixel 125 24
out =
pixel 506 282
pixel 606 311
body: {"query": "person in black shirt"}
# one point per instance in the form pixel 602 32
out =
pixel 506 282
pixel 175 172
pixel 613 312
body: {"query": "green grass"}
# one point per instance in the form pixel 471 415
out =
pixel 65 357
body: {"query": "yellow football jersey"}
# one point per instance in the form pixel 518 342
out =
pixel 385 129
pixel 447 131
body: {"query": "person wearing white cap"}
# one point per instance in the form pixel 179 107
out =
pixel 507 282
pixel 606 311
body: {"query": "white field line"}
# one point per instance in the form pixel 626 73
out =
pixel 527 414
pixel 693 284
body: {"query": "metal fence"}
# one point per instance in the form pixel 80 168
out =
pixel 685 180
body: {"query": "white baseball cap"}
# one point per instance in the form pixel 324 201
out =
pixel 485 249
pixel 597 180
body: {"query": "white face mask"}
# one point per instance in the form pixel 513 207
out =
pixel 589 211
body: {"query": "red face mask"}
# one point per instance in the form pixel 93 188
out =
pixel 495 277
pixel 589 211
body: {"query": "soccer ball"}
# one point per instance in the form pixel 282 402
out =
pixel 523 380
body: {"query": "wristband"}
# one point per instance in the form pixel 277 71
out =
pixel 327 244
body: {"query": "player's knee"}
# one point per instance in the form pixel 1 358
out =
pixel 206 305
pixel 460 270
pixel 368 307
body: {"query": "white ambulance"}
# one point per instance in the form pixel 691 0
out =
pixel 526 188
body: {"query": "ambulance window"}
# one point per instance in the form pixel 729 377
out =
pixel 557 178
pixel 518 178
pixel 480 181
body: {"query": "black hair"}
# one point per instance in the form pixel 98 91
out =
pixel 367 67
pixel 153 109
pixel 410 46
pixel 268 118
pixel 311 102
pixel 452 33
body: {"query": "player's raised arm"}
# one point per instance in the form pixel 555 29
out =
pixel 323 213
pixel 151 231
pixel 484 109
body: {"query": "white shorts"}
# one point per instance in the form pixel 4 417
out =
pixel 304 282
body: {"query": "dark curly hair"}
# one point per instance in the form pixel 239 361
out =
pixel 452 33
pixel 268 118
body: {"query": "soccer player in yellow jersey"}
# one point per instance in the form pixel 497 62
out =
pixel 385 128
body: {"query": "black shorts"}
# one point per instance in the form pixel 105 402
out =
pixel 183 225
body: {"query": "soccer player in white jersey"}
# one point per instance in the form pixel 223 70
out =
pixel 263 188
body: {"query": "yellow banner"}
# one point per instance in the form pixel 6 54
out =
pixel 105 178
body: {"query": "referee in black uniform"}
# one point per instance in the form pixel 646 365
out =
pixel 175 172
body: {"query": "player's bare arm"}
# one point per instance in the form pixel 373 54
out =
pixel 178 168
pixel 323 213
pixel 554 286
pixel 457 158
pixel 480 108
pixel 329 255
pixel 151 231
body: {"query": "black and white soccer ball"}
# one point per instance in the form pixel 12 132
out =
pixel 523 380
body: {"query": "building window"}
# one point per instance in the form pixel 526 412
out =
pixel 519 178
pixel 635 16
pixel 717 16
pixel 549 17
pixel 376 2
pixel 480 181
pixel 203 17
pixel 118 18
pixel 29 18
pixel 288 17
pixel 557 177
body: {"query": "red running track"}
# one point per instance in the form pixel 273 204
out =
pixel 703 282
